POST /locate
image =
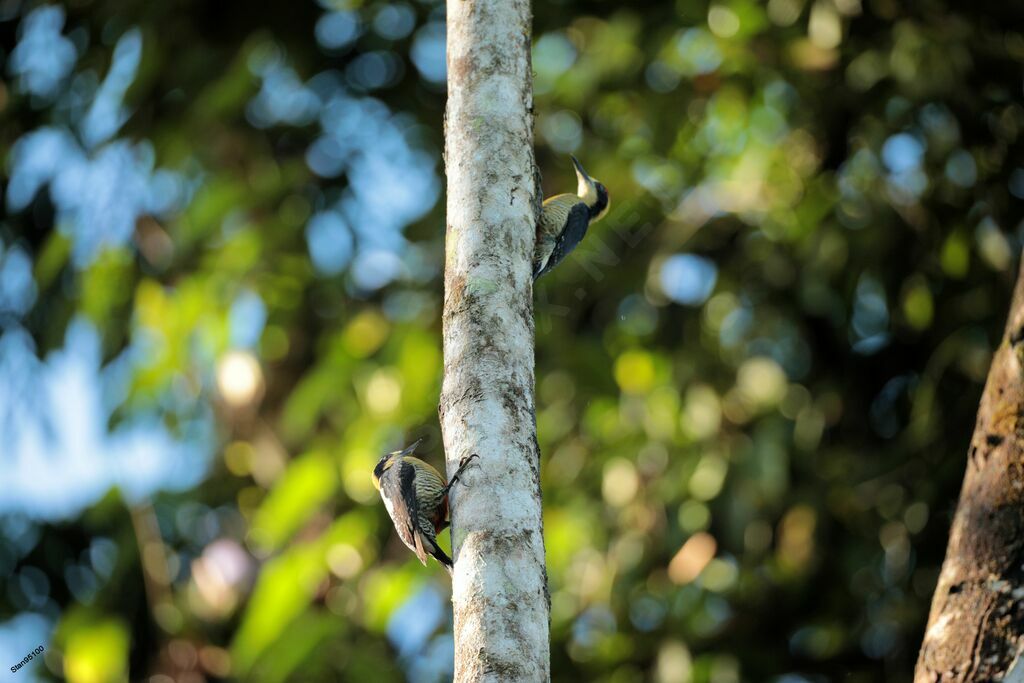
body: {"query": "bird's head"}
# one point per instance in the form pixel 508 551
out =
pixel 388 460
pixel 592 192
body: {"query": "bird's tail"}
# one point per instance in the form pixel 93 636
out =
pixel 441 557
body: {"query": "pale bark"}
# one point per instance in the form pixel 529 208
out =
pixel 499 593
pixel 976 626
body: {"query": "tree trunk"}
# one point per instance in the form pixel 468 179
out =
pixel 976 626
pixel 500 595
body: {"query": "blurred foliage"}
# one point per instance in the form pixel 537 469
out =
pixel 756 379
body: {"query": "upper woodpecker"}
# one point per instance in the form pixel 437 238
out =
pixel 416 496
pixel 565 218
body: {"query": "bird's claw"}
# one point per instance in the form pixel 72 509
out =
pixel 462 466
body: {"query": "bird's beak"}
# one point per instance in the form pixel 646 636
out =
pixel 580 173
pixel 411 449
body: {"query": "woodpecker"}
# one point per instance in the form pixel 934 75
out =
pixel 416 496
pixel 565 218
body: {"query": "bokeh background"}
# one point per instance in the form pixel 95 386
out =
pixel 220 291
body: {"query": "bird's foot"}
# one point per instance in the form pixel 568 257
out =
pixel 463 464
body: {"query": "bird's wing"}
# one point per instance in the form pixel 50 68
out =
pixel 553 219
pixel 430 494
pixel 426 467
pixel 567 240
pixel 554 214
pixel 399 491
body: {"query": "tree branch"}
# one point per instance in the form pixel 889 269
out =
pixel 500 596
pixel 976 626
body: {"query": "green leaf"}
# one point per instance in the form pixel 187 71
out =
pixel 308 482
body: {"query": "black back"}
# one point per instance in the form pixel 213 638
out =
pixel 398 485
pixel 568 239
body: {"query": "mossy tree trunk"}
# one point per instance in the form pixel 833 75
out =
pixel 976 626
pixel 500 595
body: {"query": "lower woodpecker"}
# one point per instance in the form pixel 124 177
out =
pixel 416 496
